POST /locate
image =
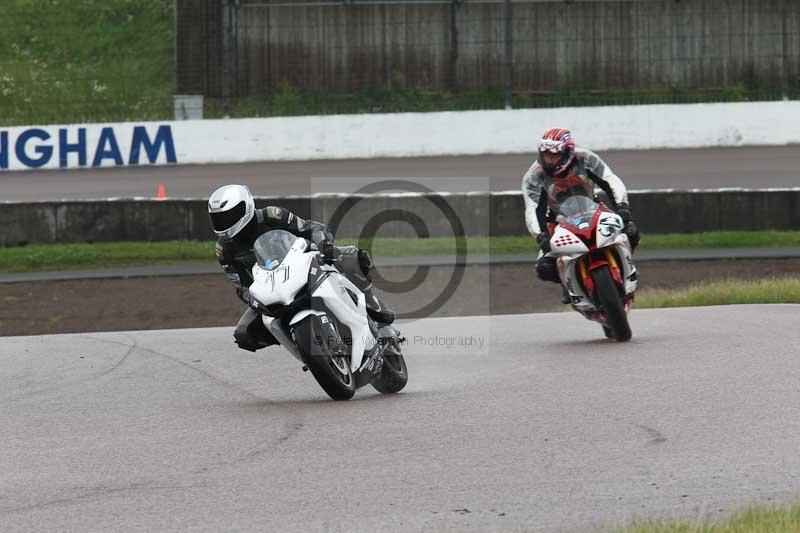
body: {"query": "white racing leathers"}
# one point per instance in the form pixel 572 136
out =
pixel 542 190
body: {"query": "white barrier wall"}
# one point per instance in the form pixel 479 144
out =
pixel 396 135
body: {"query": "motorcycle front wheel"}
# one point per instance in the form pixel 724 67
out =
pixel 609 299
pixel 394 374
pixel 331 371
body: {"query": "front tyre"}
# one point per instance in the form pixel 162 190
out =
pixel 332 371
pixel 394 374
pixel 608 298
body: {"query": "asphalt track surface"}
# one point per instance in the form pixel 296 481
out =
pixel 708 168
pixel 545 426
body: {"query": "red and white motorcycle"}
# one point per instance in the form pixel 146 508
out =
pixel 593 257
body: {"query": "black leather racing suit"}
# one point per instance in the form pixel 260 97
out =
pixel 543 193
pixel 237 259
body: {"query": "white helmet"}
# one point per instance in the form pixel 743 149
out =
pixel 230 208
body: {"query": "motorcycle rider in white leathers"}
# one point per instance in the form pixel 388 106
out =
pixel 561 171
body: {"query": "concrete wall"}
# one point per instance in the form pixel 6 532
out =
pixel 391 215
pixel 395 135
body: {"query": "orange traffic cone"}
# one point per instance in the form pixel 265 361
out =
pixel 161 193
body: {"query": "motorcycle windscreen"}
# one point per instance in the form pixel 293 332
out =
pixel 271 248
pixel 577 210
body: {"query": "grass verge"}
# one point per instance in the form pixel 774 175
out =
pixel 720 239
pixel 778 290
pixel 752 520
pixel 122 254
pixel 103 255
pixel 285 100
pixel 784 290
pixel 393 247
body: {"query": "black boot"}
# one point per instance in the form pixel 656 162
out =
pixel 377 309
pixel 566 298
pixel 251 334
pixel 356 265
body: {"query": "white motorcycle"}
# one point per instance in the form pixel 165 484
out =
pixel 594 263
pixel 317 314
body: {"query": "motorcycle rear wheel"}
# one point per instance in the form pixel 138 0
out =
pixel 331 371
pixel 609 299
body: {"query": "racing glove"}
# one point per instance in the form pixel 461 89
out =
pixel 365 262
pixel 543 240
pixel 628 225
pixel 329 252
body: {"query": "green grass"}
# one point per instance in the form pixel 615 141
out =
pixel 752 520
pixel 784 290
pixel 68 61
pixel 780 290
pixel 400 247
pixel 103 255
pixel 121 254
pixel 721 239
pixel 286 100
pixel 389 247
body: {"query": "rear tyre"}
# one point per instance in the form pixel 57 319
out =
pixel 331 371
pixel 609 299
pixel 608 332
pixel 394 375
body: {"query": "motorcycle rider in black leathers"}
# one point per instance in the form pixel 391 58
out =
pixel 560 171
pixel 237 224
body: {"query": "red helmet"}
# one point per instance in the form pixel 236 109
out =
pixel 557 141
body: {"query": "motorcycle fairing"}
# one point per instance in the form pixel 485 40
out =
pixel 609 226
pixel 337 293
pixel 281 285
pixel 585 226
pixel 564 241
